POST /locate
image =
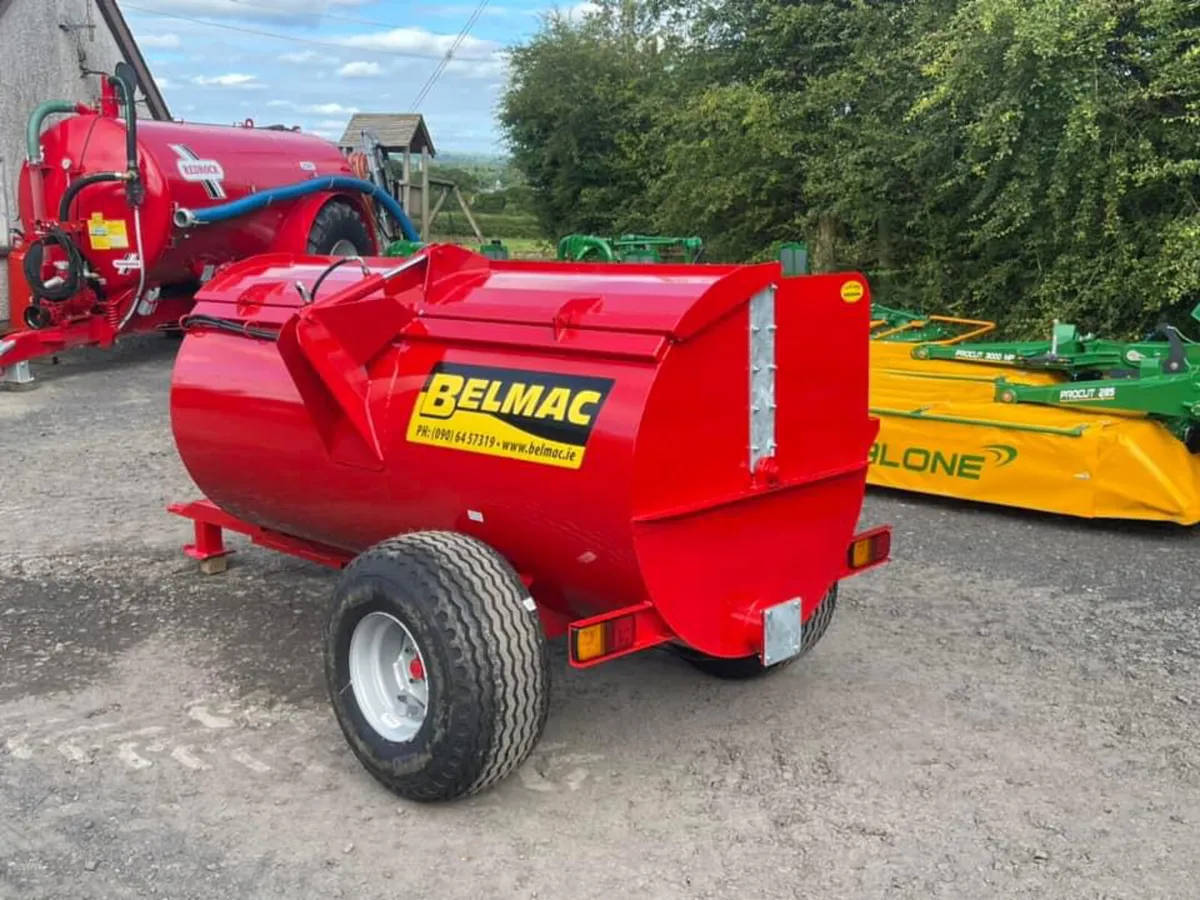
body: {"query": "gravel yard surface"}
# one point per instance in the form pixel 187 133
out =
pixel 1010 709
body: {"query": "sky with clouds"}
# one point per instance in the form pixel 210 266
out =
pixel 314 62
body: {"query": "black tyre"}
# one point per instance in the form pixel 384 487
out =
pixel 339 230
pixel 477 646
pixel 747 667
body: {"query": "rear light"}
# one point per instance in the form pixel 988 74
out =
pixel 870 549
pixel 593 642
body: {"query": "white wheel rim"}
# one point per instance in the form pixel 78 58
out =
pixel 344 247
pixel 389 677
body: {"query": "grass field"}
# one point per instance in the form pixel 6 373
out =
pixel 529 248
pixel 518 247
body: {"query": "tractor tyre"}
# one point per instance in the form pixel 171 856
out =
pixel 436 665
pixel 747 667
pixel 339 230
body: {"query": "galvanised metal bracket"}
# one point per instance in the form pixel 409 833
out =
pixel 762 376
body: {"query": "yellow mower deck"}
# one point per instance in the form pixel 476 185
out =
pixel 942 433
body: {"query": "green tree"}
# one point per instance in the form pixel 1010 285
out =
pixel 1015 159
pixel 1076 128
pixel 573 104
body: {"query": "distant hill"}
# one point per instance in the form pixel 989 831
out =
pixel 489 160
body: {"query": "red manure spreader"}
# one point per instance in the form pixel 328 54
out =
pixel 494 453
pixel 121 221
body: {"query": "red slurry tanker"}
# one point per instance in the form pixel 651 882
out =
pixel 495 453
pixel 121 220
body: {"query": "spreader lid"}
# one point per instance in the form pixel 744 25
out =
pixel 674 301
pixel 669 300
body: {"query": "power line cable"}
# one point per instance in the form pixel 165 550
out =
pixel 445 61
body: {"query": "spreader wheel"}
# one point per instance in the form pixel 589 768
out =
pixel 339 230
pixel 751 666
pixel 436 665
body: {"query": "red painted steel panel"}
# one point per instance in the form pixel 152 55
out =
pixel 314 435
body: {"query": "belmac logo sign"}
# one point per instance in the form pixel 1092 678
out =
pixel 540 417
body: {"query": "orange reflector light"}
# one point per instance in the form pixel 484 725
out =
pixel 589 642
pixel 603 639
pixel 870 549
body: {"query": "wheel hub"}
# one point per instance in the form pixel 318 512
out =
pixel 387 676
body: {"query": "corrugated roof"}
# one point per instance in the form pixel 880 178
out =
pixel 395 131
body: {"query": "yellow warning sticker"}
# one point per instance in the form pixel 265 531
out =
pixel 538 417
pixel 852 291
pixel 107 234
pixel 118 236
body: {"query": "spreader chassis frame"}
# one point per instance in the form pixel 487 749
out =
pixel 209 550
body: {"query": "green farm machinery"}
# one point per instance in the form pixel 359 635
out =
pixel 629 248
pixel 1157 379
pixel 1075 424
